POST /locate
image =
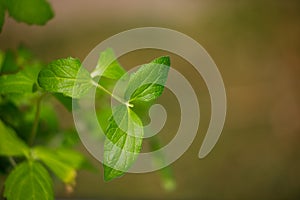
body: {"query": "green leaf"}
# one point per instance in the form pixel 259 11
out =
pixel 10 144
pixel 147 84
pixel 2 15
pixel 10 114
pixel 69 139
pixel 29 180
pixel 103 115
pixel 62 162
pixel 123 142
pixel 9 64
pixel 21 82
pixel 30 11
pixel 2 57
pixel 108 66
pixel 66 76
pixel 74 159
pixel 24 55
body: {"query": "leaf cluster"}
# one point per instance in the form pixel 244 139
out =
pixel 32 145
pixel 24 80
pixel 124 131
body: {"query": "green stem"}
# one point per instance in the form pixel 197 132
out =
pixel 112 95
pixel 36 121
pixel 12 161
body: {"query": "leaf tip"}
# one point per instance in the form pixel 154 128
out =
pixel 164 60
pixel 110 173
pixel 107 173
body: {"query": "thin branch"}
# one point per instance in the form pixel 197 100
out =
pixel 12 161
pixel 112 95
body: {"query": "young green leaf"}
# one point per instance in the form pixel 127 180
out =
pixel 10 144
pixel 2 57
pixel 24 56
pixel 29 180
pixel 9 64
pixel 74 158
pixel 70 138
pixel 30 11
pixel 64 170
pixel 108 66
pixel 123 142
pixel 147 84
pixel 66 76
pixel 21 82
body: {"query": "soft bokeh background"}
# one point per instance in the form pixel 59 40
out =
pixel 256 46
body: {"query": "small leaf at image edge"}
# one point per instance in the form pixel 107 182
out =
pixel 29 180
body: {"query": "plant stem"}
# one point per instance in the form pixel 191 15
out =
pixel 112 95
pixel 12 161
pixel 36 121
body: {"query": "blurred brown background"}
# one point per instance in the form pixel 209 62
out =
pixel 256 46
